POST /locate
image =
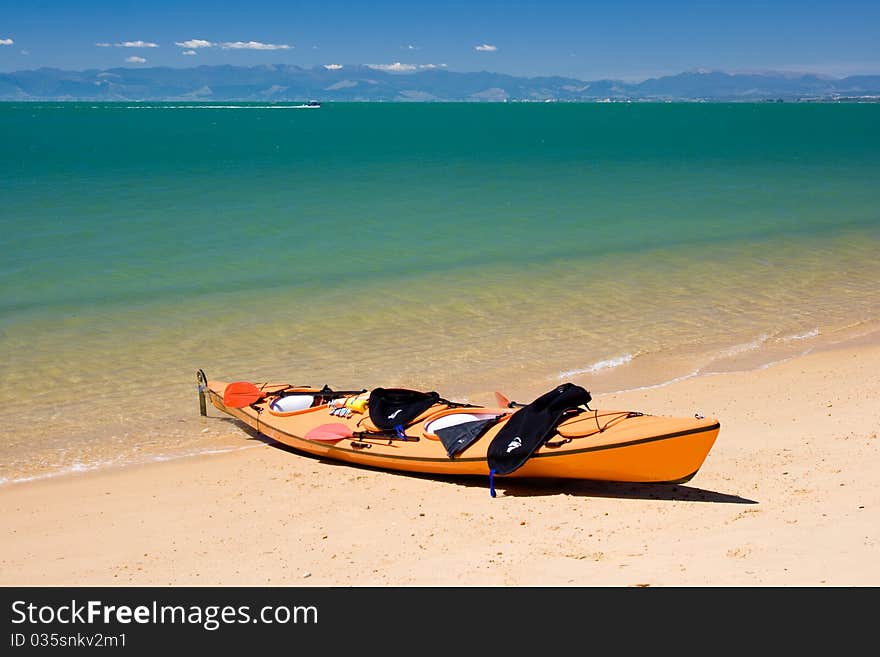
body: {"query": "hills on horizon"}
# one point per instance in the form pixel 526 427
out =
pixel 282 83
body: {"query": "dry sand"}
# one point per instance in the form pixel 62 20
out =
pixel 789 496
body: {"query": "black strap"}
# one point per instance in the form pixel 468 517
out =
pixel 327 390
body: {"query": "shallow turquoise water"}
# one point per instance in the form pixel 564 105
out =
pixel 456 247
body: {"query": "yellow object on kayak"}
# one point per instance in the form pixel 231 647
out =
pixel 355 404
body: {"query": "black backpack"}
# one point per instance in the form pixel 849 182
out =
pixel 531 426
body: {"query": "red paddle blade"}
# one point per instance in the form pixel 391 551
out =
pixel 241 394
pixel 330 433
pixel 501 399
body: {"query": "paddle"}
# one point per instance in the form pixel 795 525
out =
pixel 330 433
pixel 242 393
pixel 505 402
pixel 501 399
pixel 333 432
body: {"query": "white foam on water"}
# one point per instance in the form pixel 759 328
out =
pixel 71 469
pixel 771 363
pixel 743 348
pixel 653 386
pixel 700 372
pixel 598 366
pixel 800 336
pixel 79 467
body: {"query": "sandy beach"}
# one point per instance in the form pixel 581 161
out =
pixel 789 496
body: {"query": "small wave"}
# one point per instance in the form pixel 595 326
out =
pixel 779 361
pixel 800 336
pixel 600 365
pixel 683 377
pixel 71 469
pixel 84 467
pixel 743 348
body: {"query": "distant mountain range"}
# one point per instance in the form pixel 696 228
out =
pixel 364 83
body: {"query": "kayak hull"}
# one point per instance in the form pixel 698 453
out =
pixel 618 446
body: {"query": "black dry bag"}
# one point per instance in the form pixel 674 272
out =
pixel 398 407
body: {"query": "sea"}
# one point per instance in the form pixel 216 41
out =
pixel 457 247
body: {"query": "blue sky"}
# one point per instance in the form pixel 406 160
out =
pixel 625 39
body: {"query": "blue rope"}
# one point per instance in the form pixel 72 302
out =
pixel 492 482
pixel 400 432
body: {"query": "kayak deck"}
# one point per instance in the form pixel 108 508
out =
pixel 602 445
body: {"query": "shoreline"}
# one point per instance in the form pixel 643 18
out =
pixel 193 435
pixel 595 380
pixel 787 497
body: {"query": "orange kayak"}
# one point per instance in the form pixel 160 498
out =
pixel 590 444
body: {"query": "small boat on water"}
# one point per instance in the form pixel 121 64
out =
pixel 557 435
pixel 312 104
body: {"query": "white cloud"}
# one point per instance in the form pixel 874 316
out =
pixel 128 44
pixel 6 42
pixel 486 48
pixel 194 43
pixel 396 67
pixel 188 52
pixel 333 67
pixel 136 60
pixel 254 45
pixel 410 47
